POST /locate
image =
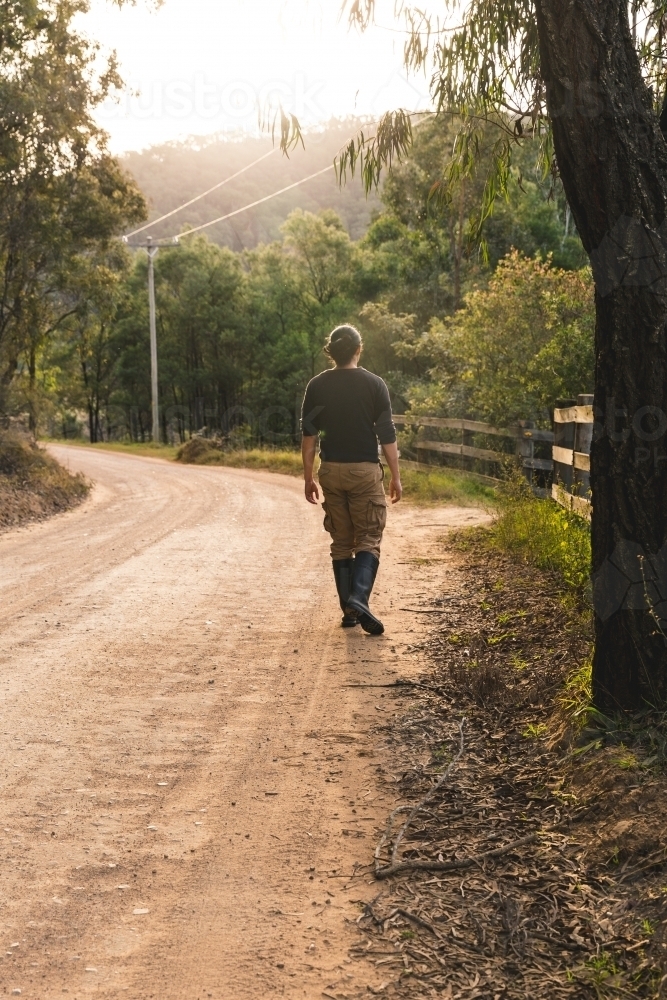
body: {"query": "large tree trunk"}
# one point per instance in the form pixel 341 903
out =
pixel 612 158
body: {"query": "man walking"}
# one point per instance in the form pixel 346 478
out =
pixel 349 409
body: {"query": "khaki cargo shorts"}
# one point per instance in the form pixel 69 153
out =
pixel 355 506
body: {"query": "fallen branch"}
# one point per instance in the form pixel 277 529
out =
pixel 397 868
pixel 426 611
pixel 400 684
pixel 415 920
pixel 394 684
pixel 414 811
pixel 424 687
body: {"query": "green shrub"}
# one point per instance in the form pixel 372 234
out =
pixel 198 451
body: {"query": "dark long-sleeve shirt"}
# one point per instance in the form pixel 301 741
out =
pixel 351 411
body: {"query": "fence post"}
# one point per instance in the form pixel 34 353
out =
pixel 583 436
pixel 573 433
pixel 525 448
pixel 564 438
pixel 466 442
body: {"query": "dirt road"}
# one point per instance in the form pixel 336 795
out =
pixel 187 781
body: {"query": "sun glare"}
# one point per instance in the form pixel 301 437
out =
pixel 195 67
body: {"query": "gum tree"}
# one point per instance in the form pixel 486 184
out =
pixel 585 80
pixel 62 196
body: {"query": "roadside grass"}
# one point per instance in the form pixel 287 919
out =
pixel 422 488
pixel 446 486
pixel 199 451
pixel 544 534
pixel 438 486
pixel 288 463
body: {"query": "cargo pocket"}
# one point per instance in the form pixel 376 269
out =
pixel 376 516
pixel 328 523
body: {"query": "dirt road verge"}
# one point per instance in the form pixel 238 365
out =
pixel 33 485
pixel 534 863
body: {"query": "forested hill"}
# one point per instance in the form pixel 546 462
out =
pixel 174 173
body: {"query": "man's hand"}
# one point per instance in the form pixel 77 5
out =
pixel 308 449
pixel 395 490
pixel 395 487
pixel 311 490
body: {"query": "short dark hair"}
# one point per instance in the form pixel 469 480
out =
pixel 343 344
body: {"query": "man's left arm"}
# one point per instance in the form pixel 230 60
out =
pixel 310 434
pixel 390 452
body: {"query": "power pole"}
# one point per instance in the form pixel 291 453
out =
pixel 152 254
pixel 151 249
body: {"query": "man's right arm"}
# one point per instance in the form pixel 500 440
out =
pixel 309 430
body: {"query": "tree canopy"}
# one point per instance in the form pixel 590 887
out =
pixel 62 197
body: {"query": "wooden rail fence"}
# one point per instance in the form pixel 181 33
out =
pixel 523 434
pixel 573 433
pixel 568 468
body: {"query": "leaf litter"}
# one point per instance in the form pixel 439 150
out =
pixel 523 859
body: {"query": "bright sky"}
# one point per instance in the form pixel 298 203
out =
pixel 194 67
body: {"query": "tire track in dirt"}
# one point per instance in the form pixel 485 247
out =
pixel 186 776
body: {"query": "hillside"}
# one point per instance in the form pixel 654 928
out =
pixel 176 172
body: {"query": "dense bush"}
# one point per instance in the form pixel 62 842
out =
pixel 517 345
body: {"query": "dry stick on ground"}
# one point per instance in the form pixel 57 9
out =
pixel 425 611
pixel 452 866
pixel 394 684
pixel 399 684
pixel 382 872
pixel 414 918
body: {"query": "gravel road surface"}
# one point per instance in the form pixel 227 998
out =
pixel 187 781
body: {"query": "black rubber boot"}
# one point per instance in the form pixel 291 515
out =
pixel 343 570
pixel 363 578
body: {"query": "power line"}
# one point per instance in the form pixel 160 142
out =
pixel 245 208
pixel 192 201
pixel 253 204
